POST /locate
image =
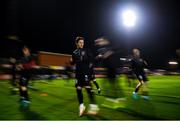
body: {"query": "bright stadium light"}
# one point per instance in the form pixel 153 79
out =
pixel 129 18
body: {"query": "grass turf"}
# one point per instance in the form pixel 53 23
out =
pixel 56 100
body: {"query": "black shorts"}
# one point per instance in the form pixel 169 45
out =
pixel 24 81
pixel 141 77
pixel 82 81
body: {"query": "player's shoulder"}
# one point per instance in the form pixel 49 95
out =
pixel 132 59
pixel 75 51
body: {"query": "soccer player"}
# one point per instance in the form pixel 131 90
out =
pixel 25 65
pixel 82 58
pixel 106 55
pixel 138 65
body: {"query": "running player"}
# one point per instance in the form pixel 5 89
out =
pixel 82 58
pixel 138 65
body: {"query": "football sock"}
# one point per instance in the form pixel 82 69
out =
pixel 79 95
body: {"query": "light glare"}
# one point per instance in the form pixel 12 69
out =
pixel 129 18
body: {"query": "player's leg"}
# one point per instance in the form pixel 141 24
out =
pixel 79 94
pixel 141 82
pixel 145 85
pixel 90 94
pixel 97 85
pixel 93 108
pixel 23 88
pixel 80 97
pixel 145 91
pixel 137 89
pixel 138 86
pixel 24 97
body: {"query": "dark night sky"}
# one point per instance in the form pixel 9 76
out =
pixel 52 25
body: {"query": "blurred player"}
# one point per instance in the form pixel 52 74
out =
pixel 138 66
pixel 26 64
pixel 106 55
pixel 82 58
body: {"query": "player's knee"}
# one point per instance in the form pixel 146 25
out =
pixel 139 84
pixel 23 88
pixel 142 82
pixel 78 88
pixel 88 87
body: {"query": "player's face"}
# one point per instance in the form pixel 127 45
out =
pixel 80 44
pixel 26 52
pixel 136 53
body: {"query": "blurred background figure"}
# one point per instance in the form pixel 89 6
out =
pixel 106 56
pixel 138 66
pixel 25 65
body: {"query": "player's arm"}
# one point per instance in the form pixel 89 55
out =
pixel 108 54
pixel 72 59
pixel 145 64
pixel 19 67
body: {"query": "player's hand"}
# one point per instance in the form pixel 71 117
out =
pixel 19 67
pixel 12 60
pixel 145 63
pixel 90 65
pixel 36 67
pixel 71 60
pixel 99 56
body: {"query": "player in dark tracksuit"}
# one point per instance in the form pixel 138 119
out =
pixel 106 54
pixel 82 58
pixel 138 65
pixel 25 66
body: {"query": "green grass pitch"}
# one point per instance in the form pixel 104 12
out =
pixel 56 100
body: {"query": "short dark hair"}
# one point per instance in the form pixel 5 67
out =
pixel 25 47
pixel 79 38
